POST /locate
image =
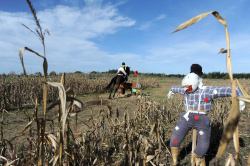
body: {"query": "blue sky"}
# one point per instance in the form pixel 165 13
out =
pixel 98 35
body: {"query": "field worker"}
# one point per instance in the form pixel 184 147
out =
pixel 122 70
pixel 197 103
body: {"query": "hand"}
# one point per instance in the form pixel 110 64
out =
pixel 241 105
pixel 170 94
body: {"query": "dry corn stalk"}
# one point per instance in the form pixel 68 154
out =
pixel 40 34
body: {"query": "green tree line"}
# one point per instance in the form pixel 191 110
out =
pixel 212 75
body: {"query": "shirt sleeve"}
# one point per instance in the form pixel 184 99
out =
pixel 177 89
pixel 223 91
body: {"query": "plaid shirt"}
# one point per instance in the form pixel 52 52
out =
pixel 208 93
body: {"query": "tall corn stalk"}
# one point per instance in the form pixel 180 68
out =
pixel 40 34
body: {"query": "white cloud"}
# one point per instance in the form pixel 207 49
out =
pixel 148 24
pixel 88 22
pixel 69 47
pixel 160 17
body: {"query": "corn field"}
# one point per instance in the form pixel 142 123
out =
pixel 18 92
pixel 110 135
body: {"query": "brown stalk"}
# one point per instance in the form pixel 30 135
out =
pixel 159 143
pixel 41 159
pixel 38 128
pixel 92 119
pixel 140 112
pixel 2 125
pixel 45 68
pixel 125 139
pixel 231 124
pixel 145 157
pixel 67 125
pixel 59 126
pixel 76 134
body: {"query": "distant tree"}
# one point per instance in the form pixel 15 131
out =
pixel 226 77
pixel 93 72
pixel 12 73
pixel 38 74
pixel 52 74
pixel 78 72
pixel 113 71
pixel 209 76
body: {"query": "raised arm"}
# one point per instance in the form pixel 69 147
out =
pixel 177 89
pixel 223 91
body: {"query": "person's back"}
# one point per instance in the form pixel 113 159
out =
pixel 122 71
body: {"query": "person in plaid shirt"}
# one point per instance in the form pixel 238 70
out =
pixel 197 103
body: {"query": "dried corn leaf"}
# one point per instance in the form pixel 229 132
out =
pixel 150 157
pixel 47 31
pixel 62 95
pixel 219 18
pixel 63 79
pixel 1 157
pixel 152 129
pixel 124 146
pixel 241 88
pixel 199 17
pixel 12 162
pixel 230 127
pixel 244 98
pixel 230 160
pixel 152 163
pixel 21 50
pixel 55 158
pixel 222 51
pixel 53 105
pixel 72 114
pixel 52 140
pixel 227 163
pixel 95 161
pixel 76 102
pixel 223 22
